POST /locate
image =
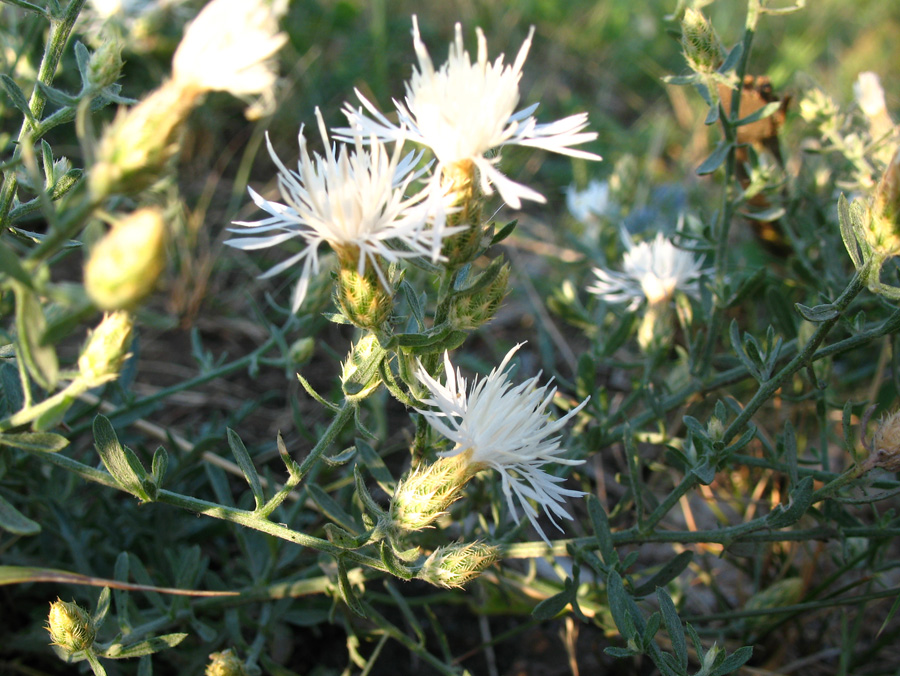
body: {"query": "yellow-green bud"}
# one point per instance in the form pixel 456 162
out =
pixel 459 182
pixel 70 626
pixel 361 297
pixel 457 564
pixel 785 592
pixel 702 47
pixel 135 149
pixel 471 309
pixel 359 374
pixel 225 663
pixel 106 349
pixel 426 493
pixel 123 266
pixel 301 350
pixel 105 64
pixel 715 428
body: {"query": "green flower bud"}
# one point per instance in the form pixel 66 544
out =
pixel 105 64
pixel 135 149
pixel 361 297
pixel 225 663
pixel 106 349
pixel 123 266
pixel 301 350
pixel 359 374
pixel 715 428
pixel 70 626
pixel 426 493
pixel 457 564
pixel 702 47
pixel 478 304
pixel 785 592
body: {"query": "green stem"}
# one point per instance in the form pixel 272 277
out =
pixel 687 483
pixel 59 35
pixel 30 413
pixel 767 389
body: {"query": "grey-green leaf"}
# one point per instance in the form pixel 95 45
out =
pixel 13 521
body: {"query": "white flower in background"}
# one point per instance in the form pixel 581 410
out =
pixel 353 200
pixel 466 110
pixel 869 94
pixel 586 205
pixel 506 428
pixel 229 47
pixel 652 270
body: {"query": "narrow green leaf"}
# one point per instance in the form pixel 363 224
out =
pixel 554 605
pixel 346 589
pixel 734 56
pixel 40 360
pixel 103 604
pixel 159 465
pixel 790 452
pixel 715 160
pixel 759 114
pixel 619 607
pixel 771 214
pixel 146 647
pixel 115 459
pixel 329 507
pixel 13 521
pixel 651 630
pixel 53 415
pixel 393 563
pixel 10 266
pixel 817 314
pixel 24 4
pixel 41 442
pixel 673 627
pixel 504 232
pixel 375 464
pixel 600 521
pixel 666 574
pixel 83 59
pixel 615 651
pixel 17 96
pixel 411 620
pixel 372 507
pixel 734 661
pixel 246 464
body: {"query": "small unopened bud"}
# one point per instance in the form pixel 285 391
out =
pixel 361 297
pixel 70 626
pixel 715 428
pixel 702 47
pixel 457 564
pixel 135 149
pixel 106 349
pixel 123 266
pixel 359 374
pixel 225 663
pixel 885 445
pixel 424 495
pixel 301 350
pixel 105 64
pixel 477 306
pixel 785 592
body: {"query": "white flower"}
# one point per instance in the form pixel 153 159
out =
pixel 652 270
pixel 354 198
pixel 229 46
pixel 506 428
pixel 869 94
pixel 464 110
pixel 585 205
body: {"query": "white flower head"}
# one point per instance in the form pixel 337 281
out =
pixel 352 198
pixel 507 428
pixel 653 270
pixel 229 47
pixel 586 205
pixel 869 94
pixel 464 110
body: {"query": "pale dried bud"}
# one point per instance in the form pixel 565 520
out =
pixel 70 626
pixel 457 564
pixel 106 349
pixel 886 445
pixel 123 266
pixel 702 47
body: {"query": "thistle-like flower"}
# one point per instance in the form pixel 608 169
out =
pixel 229 47
pixel 588 204
pixel 507 428
pixel 465 110
pixel 352 199
pixel 652 270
